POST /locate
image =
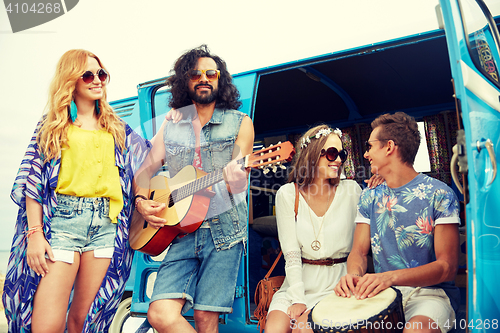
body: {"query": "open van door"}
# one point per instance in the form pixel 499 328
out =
pixel 473 45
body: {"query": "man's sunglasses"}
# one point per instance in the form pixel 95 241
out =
pixel 211 74
pixel 88 76
pixel 332 153
pixel 368 145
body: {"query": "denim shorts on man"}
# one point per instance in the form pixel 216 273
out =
pixel 82 224
pixel 193 270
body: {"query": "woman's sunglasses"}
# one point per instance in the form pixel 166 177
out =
pixel 211 74
pixel 88 76
pixel 332 153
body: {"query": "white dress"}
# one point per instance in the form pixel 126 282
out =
pixel 304 283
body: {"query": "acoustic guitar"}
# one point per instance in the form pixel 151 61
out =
pixel 187 198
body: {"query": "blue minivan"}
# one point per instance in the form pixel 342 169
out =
pixel 448 79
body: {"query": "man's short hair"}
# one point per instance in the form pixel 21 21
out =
pixel 403 130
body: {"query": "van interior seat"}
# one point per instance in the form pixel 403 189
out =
pixel 266 226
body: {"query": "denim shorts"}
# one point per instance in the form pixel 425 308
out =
pixel 193 270
pixel 82 224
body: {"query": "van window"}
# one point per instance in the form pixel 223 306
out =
pixel 482 40
pixel 422 162
pixel 160 107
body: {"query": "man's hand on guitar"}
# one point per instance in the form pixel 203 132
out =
pixel 148 209
pixel 236 178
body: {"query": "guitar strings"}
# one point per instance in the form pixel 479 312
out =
pixel 195 186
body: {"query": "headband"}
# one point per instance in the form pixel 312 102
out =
pixel 319 134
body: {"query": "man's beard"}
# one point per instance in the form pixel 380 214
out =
pixel 205 98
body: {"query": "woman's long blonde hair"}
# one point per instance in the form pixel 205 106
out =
pixel 54 131
pixel 303 170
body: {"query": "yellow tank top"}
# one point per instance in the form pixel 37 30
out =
pixel 88 168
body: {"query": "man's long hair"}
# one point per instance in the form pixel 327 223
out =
pixel 228 96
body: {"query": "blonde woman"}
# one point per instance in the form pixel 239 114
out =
pixel 317 243
pixel 74 195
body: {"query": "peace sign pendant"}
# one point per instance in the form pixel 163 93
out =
pixel 316 245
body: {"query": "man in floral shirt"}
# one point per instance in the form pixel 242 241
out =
pixel 411 224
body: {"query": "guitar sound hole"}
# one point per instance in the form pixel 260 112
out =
pixel 171 200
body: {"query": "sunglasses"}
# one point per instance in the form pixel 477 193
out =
pixel 88 76
pixel 332 153
pixel 368 145
pixel 211 74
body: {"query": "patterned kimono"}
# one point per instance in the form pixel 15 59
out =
pixel 38 180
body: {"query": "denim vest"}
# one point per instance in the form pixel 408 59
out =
pixel 227 214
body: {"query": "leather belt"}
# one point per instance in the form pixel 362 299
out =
pixel 324 262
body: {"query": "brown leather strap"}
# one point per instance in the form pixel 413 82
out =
pixel 324 262
pixel 296 200
pixel 272 267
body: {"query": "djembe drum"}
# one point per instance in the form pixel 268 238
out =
pixel 381 313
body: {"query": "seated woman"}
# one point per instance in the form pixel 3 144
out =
pixel 317 243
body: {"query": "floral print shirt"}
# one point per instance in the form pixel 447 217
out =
pixel 402 222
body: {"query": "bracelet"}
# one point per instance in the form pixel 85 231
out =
pixel 139 196
pixel 35 227
pixel 29 234
pixel 32 230
pixel 356 274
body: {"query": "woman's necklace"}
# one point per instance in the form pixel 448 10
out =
pixel 316 244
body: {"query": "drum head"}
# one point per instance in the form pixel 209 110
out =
pixel 335 311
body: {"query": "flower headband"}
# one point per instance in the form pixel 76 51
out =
pixel 320 133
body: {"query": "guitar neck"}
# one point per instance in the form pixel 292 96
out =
pixel 200 183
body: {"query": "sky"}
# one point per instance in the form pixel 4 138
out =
pixel 139 41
